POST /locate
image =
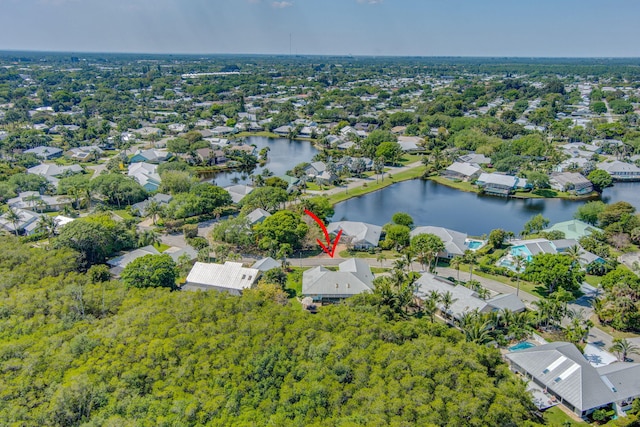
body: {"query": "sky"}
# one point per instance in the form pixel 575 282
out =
pixel 540 28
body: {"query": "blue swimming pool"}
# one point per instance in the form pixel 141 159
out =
pixel 520 250
pixel 521 346
pixel 474 244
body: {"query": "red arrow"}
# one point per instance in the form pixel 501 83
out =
pixel 328 249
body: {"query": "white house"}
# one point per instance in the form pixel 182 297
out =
pixel 229 277
pixel 353 277
pixel 363 235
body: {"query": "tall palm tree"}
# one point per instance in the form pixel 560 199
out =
pixel 148 238
pixel 455 263
pixel 409 258
pixel 153 210
pixel 14 217
pixel 518 263
pixel 575 254
pixel 381 258
pixel 471 258
pixel 447 300
pixel 47 224
pixel 623 347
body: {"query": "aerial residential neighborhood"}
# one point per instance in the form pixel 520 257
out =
pixel 319 213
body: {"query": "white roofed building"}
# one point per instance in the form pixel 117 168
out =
pixel 229 277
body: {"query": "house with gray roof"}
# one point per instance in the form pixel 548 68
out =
pixel 52 172
pixel 27 224
pixel 574 229
pixel 229 277
pixel 478 159
pixel 257 216
pixel 454 241
pixel 323 285
pixel 120 262
pixel 410 143
pixel 621 171
pixel 86 153
pixel 570 182
pixel 140 208
pixel 146 174
pixel 266 264
pixel 363 236
pixel 499 184
pixel 34 201
pixel 238 192
pixel 150 156
pixel 462 171
pixel 45 153
pixel 563 371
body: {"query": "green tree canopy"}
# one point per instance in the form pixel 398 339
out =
pixel 600 179
pixel 554 271
pixel 151 271
pixel 283 227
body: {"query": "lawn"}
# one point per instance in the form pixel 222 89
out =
pixel 556 417
pixel 161 247
pixel 389 255
pixel 370 187
pixel 294 280
pixel 459 185
pixel 410 158
pixel 613 332
pixel 124 214
pixel 531 288
pixel 593 280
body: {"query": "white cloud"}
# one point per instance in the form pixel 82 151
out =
pixel 281 4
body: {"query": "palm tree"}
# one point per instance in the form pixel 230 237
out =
pixel 623 347
pixel 471 258
pixel 381 258
pixel 574 253
pixel 430 307
pixel 14 217
pixel 455 263
pixel 148 238
pixel 153 210
pixel 408 259
pixel 447 301
pixel 518 263
pixel 47 224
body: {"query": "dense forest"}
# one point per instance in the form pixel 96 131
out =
pixel 77 351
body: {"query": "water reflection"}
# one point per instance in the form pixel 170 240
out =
pixel 284 154
pixel 432 204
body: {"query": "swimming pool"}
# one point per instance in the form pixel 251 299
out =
pixel 520 250
pixel 521 346
pixel 473 244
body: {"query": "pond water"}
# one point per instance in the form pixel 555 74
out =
pixel 283 155
pixel 430 203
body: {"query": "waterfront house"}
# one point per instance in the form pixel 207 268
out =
pixel 363 236
pixel 229 277
pixel 561 370
pixel 462 171
pixel 238 192
pixel 211 157
pixel 571 182
pixel 353 277
pixel 621 171
pixel 454 241
pixel 499 184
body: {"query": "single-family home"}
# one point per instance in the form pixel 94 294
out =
pixel 326 286
pixel 454 241
pixel 45 153
pixel 499 184
pixel 140 208
pixel 362 235
pixel 410 143
pixel 34 201
pixel 210 156
pixel 266 264
pixel 120 262
pixel 257 216
pixel 318 172
pixel 229 277
pixel 574 229
pixel 465 300
pixel 571 182
pixel 26 223
pixel 222 130
pixel 238 192
pixel 53 173
pixel 86 153
pixel 283 130
pixel 462 171
pixel 146 175
pixel 478 159
pixel 560 369
pixel 621 171
pixel 178 254
pixel 150 156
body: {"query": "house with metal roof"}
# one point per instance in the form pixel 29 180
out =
pixel 574 229
pixel 323 285
pixel 238 192
pixel 45 153
pixel 362 235
pixel 27 223
pixel 140 208
pixel 462 171
pixel 454 241
pixel 465 300
pixel 150 156
pixel 52 172
pixel 266 264
pixel 229 277
pixel 562 370
pixel 621 171
pixel 478 159
pixel 257 216
pixel 571 182
pixel 499 184
pixel 146 175
pixel 120 262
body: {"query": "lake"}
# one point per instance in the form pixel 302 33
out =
pixel 430 203
pixel 283 155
